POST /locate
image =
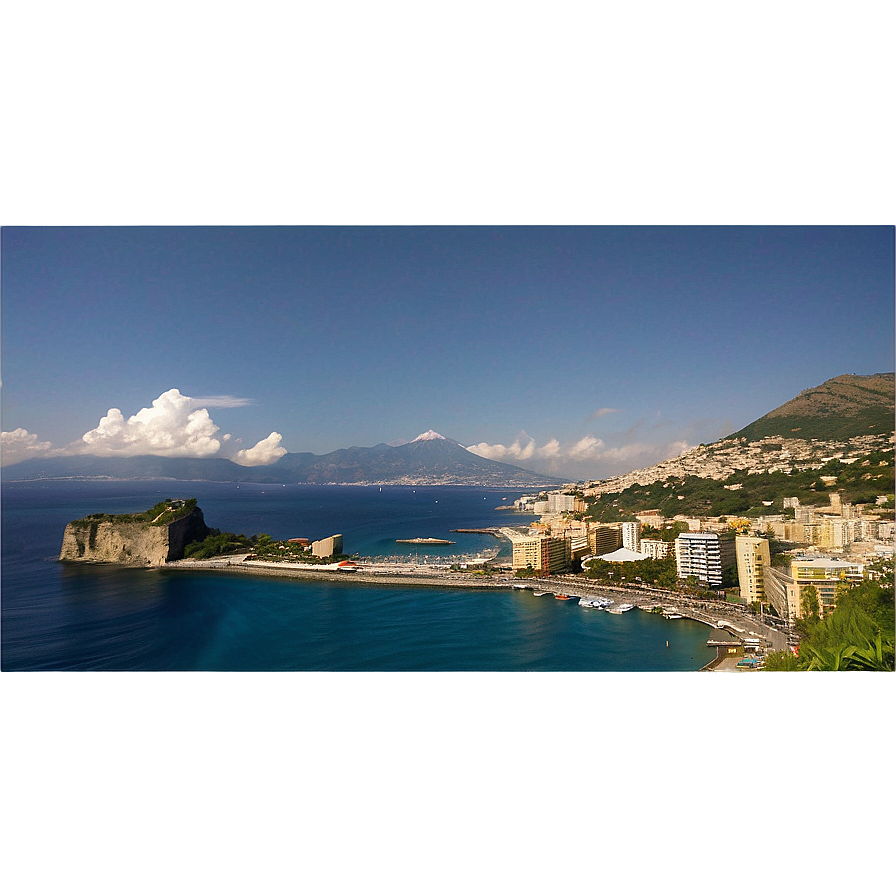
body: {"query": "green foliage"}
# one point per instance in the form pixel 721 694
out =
pixel 858 482
pixel 218 544
pixel 161 514
pixel 857 636
pixel 669 532
pixel 166 512
pixel 781 661
pixel 659 573
pixel 809 602
pixel 266 548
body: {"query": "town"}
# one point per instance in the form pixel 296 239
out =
pixel 789 564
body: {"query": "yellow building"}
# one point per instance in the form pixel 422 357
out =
pixel 541 554
pixel 786 588
pixel 752 559
pixel 327 547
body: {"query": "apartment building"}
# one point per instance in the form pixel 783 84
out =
pixel 655 549
pixel 604 539
pixel 541 553
pixel 560 503
pixel 631 536
pixel 786 588
pixel 752 559
pixel 703 555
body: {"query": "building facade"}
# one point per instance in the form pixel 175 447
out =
pixel 604 539
pixel 703 555
pixel 541 553
pixel 786 588
pixel 631 536
pixel 327 547
pixel 753 558
pixel 656 549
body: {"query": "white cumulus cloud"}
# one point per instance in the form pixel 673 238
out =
pixel 264 452
pixel 20 444
pixel 172 427
pixel 588 447
pixel 519 450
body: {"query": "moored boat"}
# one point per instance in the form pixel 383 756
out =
pixel 598 603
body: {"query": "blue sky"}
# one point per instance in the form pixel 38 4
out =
pixel 575 350
pixel 584 351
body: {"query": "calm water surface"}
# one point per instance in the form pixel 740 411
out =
pixel 67 617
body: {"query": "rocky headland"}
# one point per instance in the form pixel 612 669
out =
pixel 149 539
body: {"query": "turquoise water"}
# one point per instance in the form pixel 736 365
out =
pixel 68 617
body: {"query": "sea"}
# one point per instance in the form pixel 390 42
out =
pixel 68 617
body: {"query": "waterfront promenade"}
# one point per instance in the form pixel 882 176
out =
pixel 734 618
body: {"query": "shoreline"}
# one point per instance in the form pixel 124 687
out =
pixel 412 576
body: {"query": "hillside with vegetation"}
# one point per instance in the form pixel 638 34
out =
pixel 842 407
pixel 752 494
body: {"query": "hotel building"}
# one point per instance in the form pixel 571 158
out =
pixel 752 559
pixel 541 554
pixel 785 588
pixel 631 536
pixel 703 555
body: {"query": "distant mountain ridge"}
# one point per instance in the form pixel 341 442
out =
pixel 431 459
pixel 842 407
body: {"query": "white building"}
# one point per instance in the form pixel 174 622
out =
pixel 631 536
pixel 656 549
pixel 560 503
pixel 697 554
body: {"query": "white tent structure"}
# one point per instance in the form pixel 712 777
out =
pixel 623 555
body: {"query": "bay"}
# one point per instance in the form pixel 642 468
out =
pixel 68 617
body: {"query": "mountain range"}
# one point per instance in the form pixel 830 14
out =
pixel 431 459
pixel 844 408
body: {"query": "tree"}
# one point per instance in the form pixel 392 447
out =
pixel 809 601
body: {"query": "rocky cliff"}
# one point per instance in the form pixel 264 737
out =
pixel 130 542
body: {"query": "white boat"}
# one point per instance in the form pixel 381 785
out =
pixel 672 616
pixel 622 608
pixel 599 603
pixel 543 593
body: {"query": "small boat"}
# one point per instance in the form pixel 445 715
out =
pixel 598 603
pixel 562 597
pixel 672 616
pixel 622 608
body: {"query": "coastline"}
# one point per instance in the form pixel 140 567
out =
pixel 412 575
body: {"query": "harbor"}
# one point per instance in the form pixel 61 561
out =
pixel 735 634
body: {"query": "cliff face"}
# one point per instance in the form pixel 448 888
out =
pixel 130 543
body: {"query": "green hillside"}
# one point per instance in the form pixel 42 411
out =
pixel 841 408
pixel 858 483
